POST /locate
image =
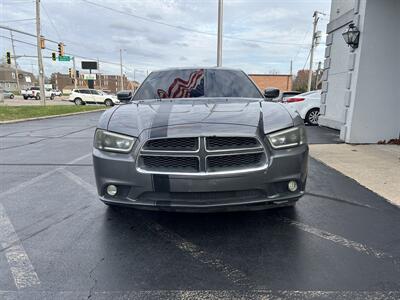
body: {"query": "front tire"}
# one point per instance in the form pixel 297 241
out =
pixel 108 102
pixel 312 116
pixel 78 101
pixel 11 96
pixel 25 97
pixel 52 97
pixel 37 97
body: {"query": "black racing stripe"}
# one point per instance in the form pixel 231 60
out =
pixel 161 183
pixel 260 126
pixel 161 120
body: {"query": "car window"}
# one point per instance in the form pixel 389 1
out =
pixel 193 83
pixel 85 92
pixel 94 92
pixel 289 94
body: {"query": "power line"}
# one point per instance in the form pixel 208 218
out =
pixel 309 52
pixel 26 33
pixel 18 20
pixel 187 29
pixel 51 21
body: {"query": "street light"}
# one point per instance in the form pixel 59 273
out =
pixel 351 36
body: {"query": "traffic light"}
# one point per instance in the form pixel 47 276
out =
pixel 8 55
pixel 42 42
pixel 60 49
pixel 77 74
pixel 70 72
pixel 53 56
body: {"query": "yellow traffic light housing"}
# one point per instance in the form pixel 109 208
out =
pixel 60 49
pixel 8 56
pixel 42 42
pixel 53 56
pixel 70 72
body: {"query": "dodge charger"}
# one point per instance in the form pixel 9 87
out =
pixel 200 139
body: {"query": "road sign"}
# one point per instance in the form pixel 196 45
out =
pixel 89 76
pixel 64 58
pixel 89 65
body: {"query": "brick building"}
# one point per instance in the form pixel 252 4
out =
pixel 109 83
pixel 263 81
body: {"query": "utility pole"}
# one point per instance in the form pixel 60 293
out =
pixel 120 61
pixel 219 41
pixel 317 75
pixel 98 71
pixel 313 45
pixel 291 68
pixel 39 51
pixel 75 77
pixel 15 60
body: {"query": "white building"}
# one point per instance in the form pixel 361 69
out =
pixel 361 87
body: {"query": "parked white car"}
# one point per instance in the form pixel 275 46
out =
pixel 57 93
pixel 86 96
pixel 307 105
pixel 34 92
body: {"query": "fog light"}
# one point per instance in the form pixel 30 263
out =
pixel 112 190
pixel 292 185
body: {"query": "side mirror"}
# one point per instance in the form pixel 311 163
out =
pixel 125 96
pixel 271 93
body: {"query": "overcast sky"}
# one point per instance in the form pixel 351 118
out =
pixel 260 36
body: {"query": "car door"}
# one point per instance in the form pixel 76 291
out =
pixel 97 97
pixel 86 96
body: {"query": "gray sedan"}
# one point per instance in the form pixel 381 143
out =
pixel 8 94
pixel 200 140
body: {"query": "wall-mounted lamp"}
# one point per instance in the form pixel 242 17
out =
pixel 351 36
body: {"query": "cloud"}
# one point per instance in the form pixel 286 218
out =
pixel 95 32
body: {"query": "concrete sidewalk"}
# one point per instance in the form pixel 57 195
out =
pixel 376 167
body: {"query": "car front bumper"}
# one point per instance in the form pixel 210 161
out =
pixel 245 191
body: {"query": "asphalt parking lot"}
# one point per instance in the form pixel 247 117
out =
pixel 57 241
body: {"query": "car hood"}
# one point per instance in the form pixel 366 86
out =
pixel 133 118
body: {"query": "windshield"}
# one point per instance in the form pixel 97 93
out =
pixel 193 83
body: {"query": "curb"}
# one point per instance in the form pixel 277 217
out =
pixel 51 117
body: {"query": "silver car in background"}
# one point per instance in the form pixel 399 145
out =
pixel 200 140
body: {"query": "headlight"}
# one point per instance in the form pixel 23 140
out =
pixel 114 142
pixel 288 138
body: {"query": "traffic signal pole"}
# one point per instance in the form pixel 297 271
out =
pixel 122 73
pixel 39 52
pixel 75 79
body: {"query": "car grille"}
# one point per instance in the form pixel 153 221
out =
pixel 171 163
pixel 172 144
pixel 225 143
pixel 234 161
pixel 202 198
pixel 201 155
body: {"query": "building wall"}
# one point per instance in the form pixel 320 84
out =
pixel 263 81
pixel 374 112
pixel 103 82
pixel 359 92
pixel 8 79
pixel 340 7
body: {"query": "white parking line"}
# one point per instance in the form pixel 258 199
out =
pixel 205 294
pixel 21 267
pixel 234 275
pixel 339 240
pixel 39 177
pixel 79 181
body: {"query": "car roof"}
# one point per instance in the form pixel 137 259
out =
pixel 196 68
pixel 310 92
